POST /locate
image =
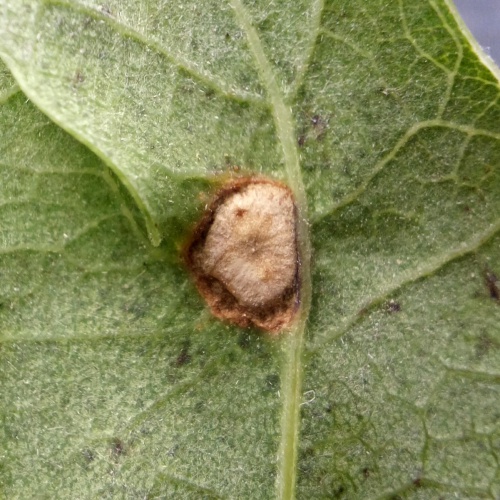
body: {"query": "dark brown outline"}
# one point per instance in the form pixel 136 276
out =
pixel 272 318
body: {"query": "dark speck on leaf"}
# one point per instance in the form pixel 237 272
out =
pixel 117 447
pixel 393 307
pixel 363 311
pixel 339 491
pixel 484 344
pixel 320 126
pixel 209 93
pixel 417 482
pixel 88 455
pixel 366 472
pixel 244 340
pixel 228 161
pixel 78 79
pixel 272 382
pixel 493 285
pixel 308 452
pixel 301 140
pixel 184 357
pixel 106 10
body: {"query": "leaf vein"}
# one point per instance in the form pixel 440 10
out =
pixel 453 74
pixel 433 266
pixel 421 52
pixel 380 165
pixel 317 11
pixel 175 59
pixel 292 368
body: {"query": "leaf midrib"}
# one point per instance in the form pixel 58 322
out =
pixel 291 383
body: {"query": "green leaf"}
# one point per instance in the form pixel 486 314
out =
pixel 116 382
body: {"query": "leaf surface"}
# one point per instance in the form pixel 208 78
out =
pixel 116 381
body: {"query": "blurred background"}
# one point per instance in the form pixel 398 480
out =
pixel 483 19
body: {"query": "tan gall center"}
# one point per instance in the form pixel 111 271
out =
pixel 244 254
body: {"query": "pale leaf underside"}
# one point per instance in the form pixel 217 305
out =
pixel 116 382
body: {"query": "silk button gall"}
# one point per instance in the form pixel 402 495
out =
pixel 243 255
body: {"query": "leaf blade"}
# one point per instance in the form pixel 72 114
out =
pixel 398 148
